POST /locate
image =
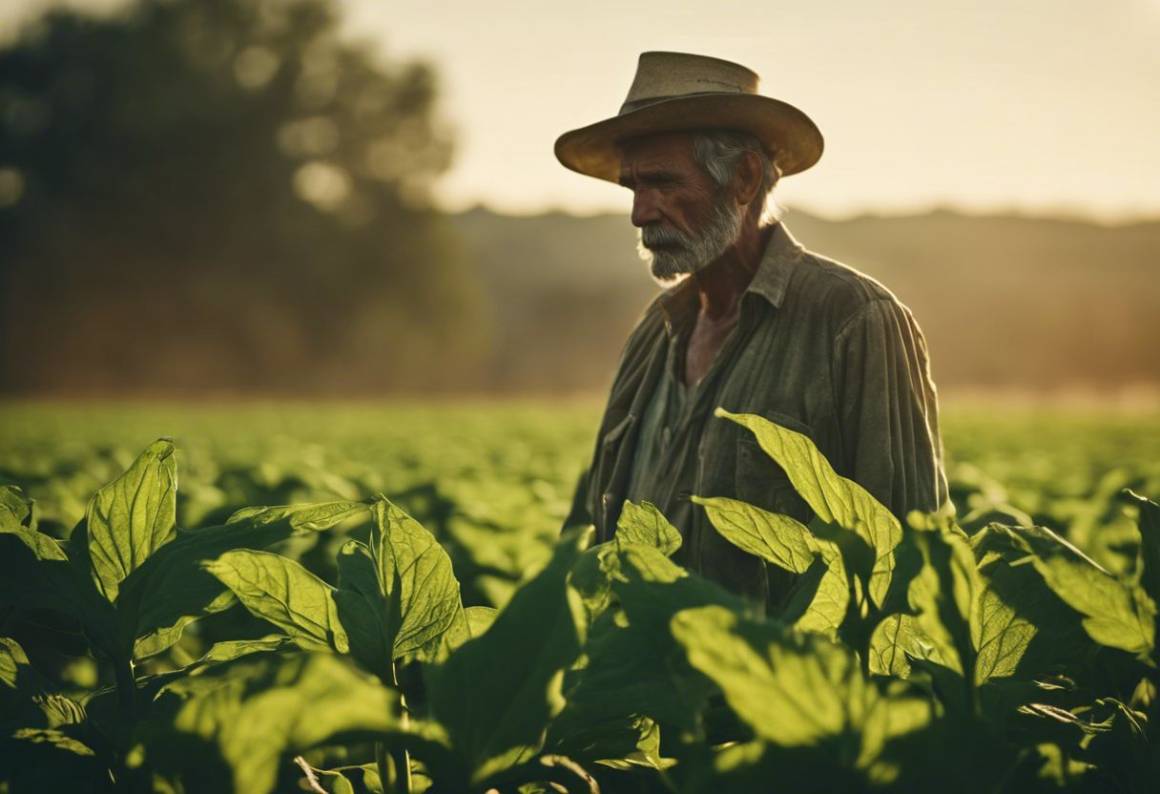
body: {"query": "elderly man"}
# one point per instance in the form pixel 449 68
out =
pixel 754 323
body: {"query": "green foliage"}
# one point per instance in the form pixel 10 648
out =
pixel 228 727
pixel 797 689
pixel 522 658
pixel 1004 659
pixel 835 499
pixel 132 517
pixel 286 594
pixel 644 523
pixel 420 591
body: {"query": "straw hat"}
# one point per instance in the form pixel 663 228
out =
pixel 675 91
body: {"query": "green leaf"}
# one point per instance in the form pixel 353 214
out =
pixel 775 538
pixel 835 499
pixel 313 517
pixel 41 546
pixel 645 523
pixel 1000 636
pixel 788 544
pixel 797 690
pixel 173 587
pixel 1149 554
pixel 14 664
pixel 496 694
pixel 892 638
pixel 15 507
pixel 590 578
pixel 54 738
pixel 132 517
pixel 416 578
pixel 362 609
pixel 36 571
pixel 229 650
pixel 470 623
pixel 1115 613
pixel 283 592
pixel 229 727
pixel 943 595
pixel 634 668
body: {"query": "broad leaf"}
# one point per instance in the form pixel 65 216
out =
pixel 835 499
pixel 258 710
pixel 796 689
pixel 14 666
pixel 776 538
pixel 362 609
pixel 788 544
pixel 132 517
pixel 943 595
pixel 496 694
pixel 893 638
pixel 173 586
pixel 416 578
pixel 799 690
pixel 1115 613
pixel 15 507
pixel 644 523
pixel 634 668
pixel 314 517
pixel 283 592
pixel 472 622
pixel 229 650
pixel 36 571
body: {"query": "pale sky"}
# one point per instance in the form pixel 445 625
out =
pixel 1030 105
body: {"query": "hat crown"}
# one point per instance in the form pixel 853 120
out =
pixel 664 75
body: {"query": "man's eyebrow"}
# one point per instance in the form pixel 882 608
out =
pixel 648 176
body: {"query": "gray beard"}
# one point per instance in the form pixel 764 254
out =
pixel 671 254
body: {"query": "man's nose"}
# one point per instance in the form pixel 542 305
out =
pixel 644 208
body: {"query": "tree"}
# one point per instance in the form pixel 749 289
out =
pixel 222 194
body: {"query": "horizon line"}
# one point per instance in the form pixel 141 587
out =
pixel 1058 214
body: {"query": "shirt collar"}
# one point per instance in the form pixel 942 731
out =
pixel 679 302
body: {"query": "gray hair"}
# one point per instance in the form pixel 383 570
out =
pixel 719 152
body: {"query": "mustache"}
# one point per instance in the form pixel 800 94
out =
pixel 656 235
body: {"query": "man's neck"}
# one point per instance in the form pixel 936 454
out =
pixel 721 284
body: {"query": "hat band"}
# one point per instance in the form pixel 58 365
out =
pixel 637 104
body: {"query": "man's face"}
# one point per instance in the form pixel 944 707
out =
pixel 685 220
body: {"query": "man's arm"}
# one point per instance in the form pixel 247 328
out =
pixel 888 408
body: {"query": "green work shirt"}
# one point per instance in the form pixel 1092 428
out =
pixel 819 348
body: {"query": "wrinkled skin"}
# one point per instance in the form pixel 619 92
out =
pixel 671 190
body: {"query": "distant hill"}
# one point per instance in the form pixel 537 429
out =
pixel 1005 301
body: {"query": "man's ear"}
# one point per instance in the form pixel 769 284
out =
pixel 747 180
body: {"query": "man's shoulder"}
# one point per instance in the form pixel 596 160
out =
pixel 838 290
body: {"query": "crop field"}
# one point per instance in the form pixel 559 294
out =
pixel 362 597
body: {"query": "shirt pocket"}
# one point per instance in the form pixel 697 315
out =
pixel 760 481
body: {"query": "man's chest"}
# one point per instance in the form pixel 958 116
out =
pixel 706 341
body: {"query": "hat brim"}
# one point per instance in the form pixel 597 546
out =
pixel 786 132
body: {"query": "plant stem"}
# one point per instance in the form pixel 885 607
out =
pixel 386 773
pixel 400 756
pixel 126 689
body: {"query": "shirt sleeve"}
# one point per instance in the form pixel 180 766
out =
pixel 888 409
